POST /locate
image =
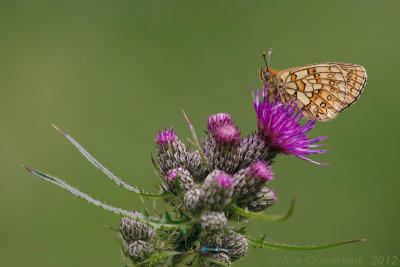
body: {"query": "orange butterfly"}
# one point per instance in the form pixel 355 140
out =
pixel 322 90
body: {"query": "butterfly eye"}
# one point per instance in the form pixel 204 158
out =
pixel 266 75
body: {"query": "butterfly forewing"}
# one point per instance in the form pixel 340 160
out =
pixel 322 90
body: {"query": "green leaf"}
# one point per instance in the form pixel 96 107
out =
pixel 168 217
pixel 159 256
pixel 241 230
pixel 196 140
pixel 179 189
pixel 155 166
pixel 182 221
pixel 265 217
pixel 183 225
pixel 262 244
pixel 164 194
pixel 145 210
pixel 127 261
pixel 214 261
pixel 107 172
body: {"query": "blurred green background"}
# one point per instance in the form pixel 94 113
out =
pixel 112 73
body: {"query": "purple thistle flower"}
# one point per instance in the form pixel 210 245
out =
pixel 225 180
pixel 262 171
pixel 185 180
pixel 171 175
pixel 227 135
pixel 278 124
pixel 171 152
pixel 218 120
pixel 166 137
pixel 221 146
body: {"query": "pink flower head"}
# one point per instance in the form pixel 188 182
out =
pixel 171 175
pixel 224 180
pixel 279 125
pixel 167 136
pixel 227 135
pixel 218 120
pixel 261 170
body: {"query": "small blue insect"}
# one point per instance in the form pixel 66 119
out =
pixel 212 248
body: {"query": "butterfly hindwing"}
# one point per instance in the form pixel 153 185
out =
pixel 356 78
pixel 322 90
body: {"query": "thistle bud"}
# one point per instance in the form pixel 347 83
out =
pixel 171 152
pixel 132 230
pixel 264 198
pixel 214 239
pixel 250 180
pixel 236 244
pixel 197 167
pixel 218 120
pixel 252 149
pixel 181 176
pixel 193 200
pixel 227 136
pixel 218 189
pixel 140 250
pixel 213 221
pixel 221 148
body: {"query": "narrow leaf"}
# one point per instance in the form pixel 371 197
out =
pixel 182 225
pixel 159 256
pixel 76 192
pixel 214 261
pixel 196 140
pixel 262 243
pixel 179 189
pixel 106 171
pixel 241 231
pixel 152 195
pixel 127 261
pixel 265 217
pixel 155 166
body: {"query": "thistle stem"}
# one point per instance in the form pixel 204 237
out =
pixel 262 244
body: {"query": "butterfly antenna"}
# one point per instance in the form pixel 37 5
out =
pixel 267 59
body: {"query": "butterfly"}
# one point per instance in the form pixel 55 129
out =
pixel 322 90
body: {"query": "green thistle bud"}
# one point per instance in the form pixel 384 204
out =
pixel 196 166
pixel 218 189
pixel 252 149
pixel 193 200
pixel 236 244
pixel 132 230
pixel 213 221
pixel 214 239
pixel 185 180
pixel 171 152
pixel 265 198
pixel 221 148
pixel 140 250
pixel 249 181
